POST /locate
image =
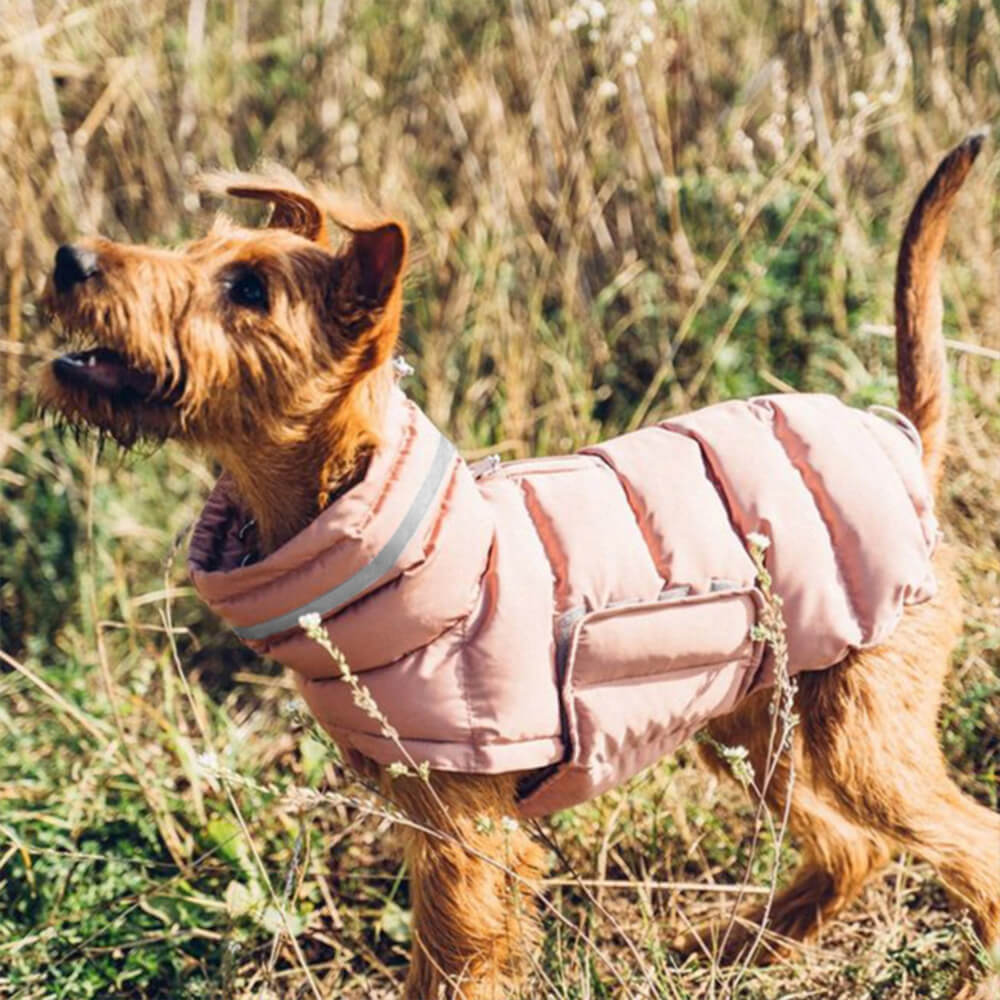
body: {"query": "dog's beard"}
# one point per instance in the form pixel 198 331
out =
pixel 103 406
pixel 99 386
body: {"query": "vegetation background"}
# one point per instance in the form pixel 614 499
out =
pixel 619 212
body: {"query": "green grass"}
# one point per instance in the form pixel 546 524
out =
pixel 170 825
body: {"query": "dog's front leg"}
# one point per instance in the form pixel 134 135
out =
pixel 472 875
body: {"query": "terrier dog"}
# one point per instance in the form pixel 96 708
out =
pixel 271 350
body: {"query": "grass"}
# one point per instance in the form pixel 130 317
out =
pixel 612 221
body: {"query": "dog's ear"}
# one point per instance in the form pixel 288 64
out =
pixel 378 255
pixel 293 210
pixel 376 251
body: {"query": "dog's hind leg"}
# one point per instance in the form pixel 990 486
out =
pixel 472 884
pixel 871 734
pixel 838 856
pixel 870 777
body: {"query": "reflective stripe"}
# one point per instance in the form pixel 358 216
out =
pixel 365 577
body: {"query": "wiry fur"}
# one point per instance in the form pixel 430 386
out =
pixel 314 361
pixel 923 378
pixel 289 401
pixel 472 885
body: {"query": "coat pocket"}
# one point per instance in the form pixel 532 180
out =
pixel 638 679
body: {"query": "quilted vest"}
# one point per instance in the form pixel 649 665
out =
pixel 578 617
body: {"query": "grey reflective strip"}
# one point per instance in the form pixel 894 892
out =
pixel 368 575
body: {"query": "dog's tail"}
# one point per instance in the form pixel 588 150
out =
pixel 920 357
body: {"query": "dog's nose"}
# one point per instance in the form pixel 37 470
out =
pixel 73 265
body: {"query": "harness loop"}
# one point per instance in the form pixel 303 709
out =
pixel 901 421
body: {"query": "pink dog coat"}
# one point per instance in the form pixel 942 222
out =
pixel 578 617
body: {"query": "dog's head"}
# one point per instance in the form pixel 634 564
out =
pixel 242 328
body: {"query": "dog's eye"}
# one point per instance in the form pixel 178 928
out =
pixel 247 288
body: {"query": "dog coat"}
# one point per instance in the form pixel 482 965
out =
pixel 577 617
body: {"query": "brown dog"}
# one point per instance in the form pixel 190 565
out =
pixel 271 351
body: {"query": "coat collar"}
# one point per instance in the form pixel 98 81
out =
pixel 362 540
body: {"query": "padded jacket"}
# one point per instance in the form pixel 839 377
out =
pixel 577 617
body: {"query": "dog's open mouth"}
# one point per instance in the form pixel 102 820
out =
pixel 105 371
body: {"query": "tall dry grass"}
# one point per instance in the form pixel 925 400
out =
pixel 614 217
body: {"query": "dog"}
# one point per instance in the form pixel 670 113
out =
pixel 271 350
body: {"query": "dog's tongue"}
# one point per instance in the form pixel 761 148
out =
pixel 104 370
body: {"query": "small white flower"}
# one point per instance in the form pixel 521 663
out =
pixel 329 113
pixel 607 90
pixel 508 824
pixel 598 12
pixel 647 8
pixel 208 761
pixel 646 34
pixel 629 59
pixel 859 99
pixel 294 708
pixel 758 541
pixel 743 149
pixel 770 135
pixel 802 122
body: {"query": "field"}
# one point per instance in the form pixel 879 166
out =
pixel 617 214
